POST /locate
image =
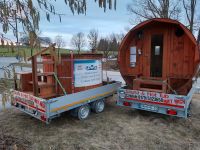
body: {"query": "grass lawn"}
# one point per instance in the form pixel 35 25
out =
pixel 26 51
pixel 23 50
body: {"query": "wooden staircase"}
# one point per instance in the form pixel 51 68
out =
pixel 41 82
pixel 44 83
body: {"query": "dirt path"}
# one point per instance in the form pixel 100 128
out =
pixel 116 128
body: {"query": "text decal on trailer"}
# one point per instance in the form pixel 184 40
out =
pixel 155 98
pixel 87 72
pixel 29 101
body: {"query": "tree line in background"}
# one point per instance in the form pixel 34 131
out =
pixel 107 45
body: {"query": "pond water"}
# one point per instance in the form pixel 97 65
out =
pixel 4 62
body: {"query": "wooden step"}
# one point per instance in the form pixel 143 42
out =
pixel 48 96
pixel 46 74
pixel 150 81
pixel 151 90
pixel 43 84
pixel 150 84
pixel 46 62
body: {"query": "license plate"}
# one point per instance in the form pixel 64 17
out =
pixel 148 107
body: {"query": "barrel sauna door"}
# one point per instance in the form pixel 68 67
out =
pixel 156 55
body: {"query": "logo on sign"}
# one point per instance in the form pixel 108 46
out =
pixel 92 67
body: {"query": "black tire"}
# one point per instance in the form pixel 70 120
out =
pixel 98 106
pixel 83 112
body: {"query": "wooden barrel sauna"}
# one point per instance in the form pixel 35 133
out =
pixel 159 55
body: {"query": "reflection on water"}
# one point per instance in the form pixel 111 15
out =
pixel 4 62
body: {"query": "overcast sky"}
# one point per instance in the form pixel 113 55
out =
pixel 111 21
pixel 106 22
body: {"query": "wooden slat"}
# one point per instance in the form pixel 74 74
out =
pixel 151 90
pixel 34 76
pixel 48 96
pixel 153 82
pixel 46 62
pixel 43 84
pixel 45 74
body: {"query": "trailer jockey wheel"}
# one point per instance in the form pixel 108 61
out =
pixel 83 112
pixel 189 113
pixel 98 106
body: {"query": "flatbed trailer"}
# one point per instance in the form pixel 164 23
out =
pixel 168 104
pixel 79 103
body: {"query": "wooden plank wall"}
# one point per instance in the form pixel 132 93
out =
pixel 65 71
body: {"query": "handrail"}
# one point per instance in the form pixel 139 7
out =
pixel 60 84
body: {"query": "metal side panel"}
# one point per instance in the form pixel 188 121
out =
pixel 190 94
pixel 32 105
pixel 68 102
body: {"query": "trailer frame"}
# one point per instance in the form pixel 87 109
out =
pixel 46 110
pixel 168 104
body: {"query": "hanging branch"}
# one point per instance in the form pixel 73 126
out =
pixel 27 14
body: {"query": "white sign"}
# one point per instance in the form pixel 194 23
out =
pixel 133 56
pixel 133 50
pixel 87 72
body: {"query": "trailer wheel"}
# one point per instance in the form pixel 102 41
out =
pixel 83 112
pixel 98 106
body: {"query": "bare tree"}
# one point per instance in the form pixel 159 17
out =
pixel 78 41
pixel 93 39
pixel 147 9
pixel 190 10
pixel 59 42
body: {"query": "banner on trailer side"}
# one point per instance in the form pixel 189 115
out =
pixel 87 72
